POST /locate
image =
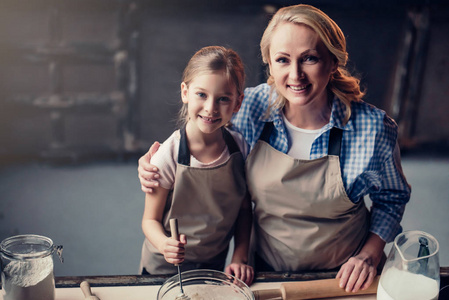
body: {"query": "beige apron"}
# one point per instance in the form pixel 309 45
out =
pixel 303 218
pixel 206 202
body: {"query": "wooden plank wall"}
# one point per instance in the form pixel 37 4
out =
pixel 102 77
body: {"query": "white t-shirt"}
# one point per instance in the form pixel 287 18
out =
pixel 301 140
pixel 167 156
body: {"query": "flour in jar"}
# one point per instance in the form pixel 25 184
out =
pixel 29 279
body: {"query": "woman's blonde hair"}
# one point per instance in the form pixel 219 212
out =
pixel 345 86
pixel 209 60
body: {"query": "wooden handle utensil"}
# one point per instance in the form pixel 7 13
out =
pixel 301 290
pixel 174 231
pixel 175 235
pixel 85 287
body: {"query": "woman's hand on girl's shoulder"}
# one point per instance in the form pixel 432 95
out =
pixel 147 173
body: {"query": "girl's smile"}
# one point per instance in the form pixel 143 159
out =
pixel 209 120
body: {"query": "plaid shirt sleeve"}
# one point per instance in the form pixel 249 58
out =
pixel 390 197
pixel 371 166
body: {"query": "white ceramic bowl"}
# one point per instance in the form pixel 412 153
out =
pixel 205 284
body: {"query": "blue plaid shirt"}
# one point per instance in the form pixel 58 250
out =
pixel 370 160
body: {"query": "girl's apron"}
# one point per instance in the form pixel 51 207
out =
pixel 303 218
pixel 206 202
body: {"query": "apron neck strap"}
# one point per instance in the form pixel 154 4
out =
pixel 335 137
pixel 230 142
pixel 266 132
pixel 184 152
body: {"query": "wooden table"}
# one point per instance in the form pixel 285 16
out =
pixel 145 287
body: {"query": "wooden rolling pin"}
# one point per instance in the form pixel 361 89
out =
pixel 300 290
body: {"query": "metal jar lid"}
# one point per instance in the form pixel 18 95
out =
pixel 29 246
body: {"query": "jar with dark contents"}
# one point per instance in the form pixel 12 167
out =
pixel 27 267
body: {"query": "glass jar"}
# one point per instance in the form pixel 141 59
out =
pixel 412 269
pixel 27 267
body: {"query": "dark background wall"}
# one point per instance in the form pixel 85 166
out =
pixel 102 77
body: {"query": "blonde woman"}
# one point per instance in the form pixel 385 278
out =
pixel 316 151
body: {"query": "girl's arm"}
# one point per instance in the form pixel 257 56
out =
pixel 154 231
pixel 239 263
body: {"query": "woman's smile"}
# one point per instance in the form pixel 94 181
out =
pixel 298 88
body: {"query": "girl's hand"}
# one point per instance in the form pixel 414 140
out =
pixel 147 173
pixel 242 271
pixel 173 250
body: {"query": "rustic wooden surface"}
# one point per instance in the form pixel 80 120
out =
pixel 125 280
pixel 143 287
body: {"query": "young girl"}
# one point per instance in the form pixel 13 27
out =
pixel 202 181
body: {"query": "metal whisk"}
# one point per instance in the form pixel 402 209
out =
pixel 175 236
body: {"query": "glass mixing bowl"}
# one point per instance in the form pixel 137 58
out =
pixel 205 285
